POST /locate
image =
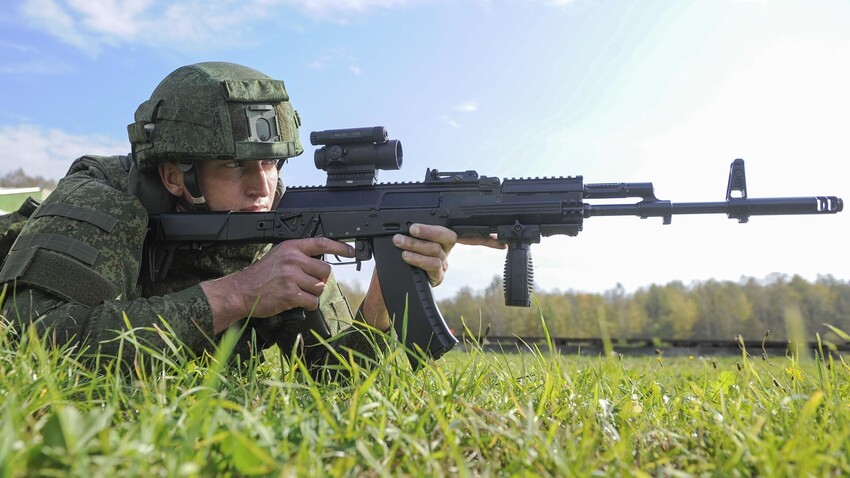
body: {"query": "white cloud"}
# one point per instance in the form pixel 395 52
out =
pixel 450 122
pixel 335 58
pixel 467 107
pixel 759 3
pixel 50 16
pixel 328 8
pixel 92 25
pixel 190 25
pixel 49 152
pixel 111 18
pixel 34 66
pixel 17 47
pixel 320 63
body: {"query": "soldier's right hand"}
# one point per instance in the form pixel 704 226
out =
pixel 289 276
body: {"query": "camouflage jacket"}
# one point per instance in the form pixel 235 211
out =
pixel 74 269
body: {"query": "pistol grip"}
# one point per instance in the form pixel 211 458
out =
pixel 406 289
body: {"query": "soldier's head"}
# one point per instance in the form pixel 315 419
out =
pixel 217 133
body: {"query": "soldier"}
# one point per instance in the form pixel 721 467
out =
pixel 213 136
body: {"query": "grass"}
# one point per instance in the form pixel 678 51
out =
pixel 472 413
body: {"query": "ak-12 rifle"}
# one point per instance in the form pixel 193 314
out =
pixel 352 206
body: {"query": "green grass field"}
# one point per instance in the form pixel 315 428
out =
pixel 470 414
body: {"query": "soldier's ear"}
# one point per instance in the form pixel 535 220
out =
pixel 172 178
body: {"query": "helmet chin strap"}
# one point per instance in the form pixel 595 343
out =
pixel 278 193
pixel 193 186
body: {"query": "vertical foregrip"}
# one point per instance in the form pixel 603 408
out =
pixel 407 289
pixel 519 275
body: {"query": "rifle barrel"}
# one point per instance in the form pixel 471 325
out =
pixel 734 208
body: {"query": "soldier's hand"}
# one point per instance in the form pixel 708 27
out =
pixel 427 247
pixel 289 276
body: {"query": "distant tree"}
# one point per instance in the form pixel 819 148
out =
pixel 724 311
pixel 671 309
pixel 19 179
pixel 464 311
pixel 782 298
pixel 589 312
pixel 636 323
pixel 627 318
pixel 557 311
pixel 840 316
pixel 521 321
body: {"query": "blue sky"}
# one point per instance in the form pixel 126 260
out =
pixel 656 90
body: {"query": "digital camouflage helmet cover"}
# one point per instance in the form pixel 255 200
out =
pixel 211 111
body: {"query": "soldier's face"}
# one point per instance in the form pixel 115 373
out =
pixel 238 185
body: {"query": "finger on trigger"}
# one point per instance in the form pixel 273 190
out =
pixel 322 245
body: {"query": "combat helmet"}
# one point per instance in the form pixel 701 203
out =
pixel 214 111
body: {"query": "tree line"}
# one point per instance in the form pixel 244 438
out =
pixel 19 179
pixel 781 306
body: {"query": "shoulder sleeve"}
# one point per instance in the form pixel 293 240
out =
pixel 183 317
pixel 83 244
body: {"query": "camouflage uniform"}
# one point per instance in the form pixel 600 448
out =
pixel 75 267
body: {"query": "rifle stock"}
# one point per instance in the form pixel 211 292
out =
pixel 518 211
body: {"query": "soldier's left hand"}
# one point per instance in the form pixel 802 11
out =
pixel 428 247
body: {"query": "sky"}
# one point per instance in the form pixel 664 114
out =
pixel 616 91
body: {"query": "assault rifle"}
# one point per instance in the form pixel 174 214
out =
pixel 352 206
